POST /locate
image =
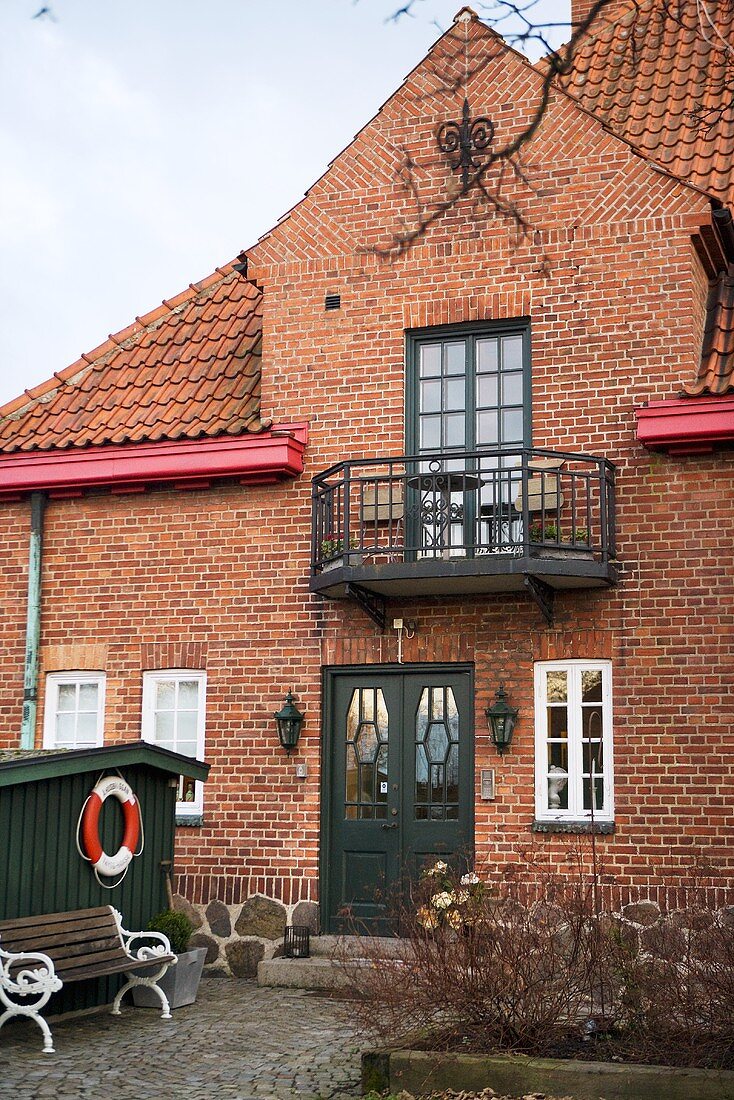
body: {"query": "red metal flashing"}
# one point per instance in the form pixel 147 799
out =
pixel 691 426
pixel 257 459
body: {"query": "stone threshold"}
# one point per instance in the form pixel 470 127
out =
pixel 422 1072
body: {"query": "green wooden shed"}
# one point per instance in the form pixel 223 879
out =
pixel 42 794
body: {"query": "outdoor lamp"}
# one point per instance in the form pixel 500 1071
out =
pixel 501 719
pixel 289 721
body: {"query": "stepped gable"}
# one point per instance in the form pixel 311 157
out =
pixel 188 369
pixel 646 65
pixel 716 372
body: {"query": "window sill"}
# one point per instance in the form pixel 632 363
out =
pixel 599 828
pixel 189 820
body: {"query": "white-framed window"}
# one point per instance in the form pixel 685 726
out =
pixel 573 741
pixel 174 717
pixel 74 714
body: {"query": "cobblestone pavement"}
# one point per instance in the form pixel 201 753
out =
pixel 238 1042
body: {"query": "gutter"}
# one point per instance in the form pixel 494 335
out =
pixel 33 623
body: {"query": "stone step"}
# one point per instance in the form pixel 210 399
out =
pixel 314 973
pixel 338 946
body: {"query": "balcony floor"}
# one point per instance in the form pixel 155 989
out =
pixel 458 576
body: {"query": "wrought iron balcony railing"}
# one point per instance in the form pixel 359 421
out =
pixel 455 506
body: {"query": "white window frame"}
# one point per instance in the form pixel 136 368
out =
pixel 575 810
pixel 56 680
pixel 147 727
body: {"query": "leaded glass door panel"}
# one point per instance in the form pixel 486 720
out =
pixel 399 791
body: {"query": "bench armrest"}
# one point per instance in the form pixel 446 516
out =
pixel 147 951
pixel 29 981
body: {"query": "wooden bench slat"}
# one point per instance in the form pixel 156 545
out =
pixel 99 920
pixel 102 971
pixel 53 918
pixel 73 936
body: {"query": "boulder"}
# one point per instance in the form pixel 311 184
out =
pixel 642 912
pixel 212 947
pixel 181 905
pixel 217 914
pixel 243 957
pixel 261 916
pixel 307 913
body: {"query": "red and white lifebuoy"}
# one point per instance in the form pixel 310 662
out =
pixel 111 785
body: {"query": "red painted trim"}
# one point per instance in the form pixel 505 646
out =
pixel 257 459
pixel 690 426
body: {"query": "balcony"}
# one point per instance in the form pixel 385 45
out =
pixel 463 524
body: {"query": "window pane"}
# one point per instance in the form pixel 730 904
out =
pixel 512 353
pixel 186 789
pixel 186 727
pixel 512 389
pixel 598 792
pixel 557 791
pixel 163 728
pixel 430 397
pixel 558 755
pixel 430 360
pixel 591 722
pixel 88 696
pixel 454 426
pixel 430 433
pixel 487 427
pixel 86 730
pixel 486 356
pixel 557 687
pixel 188 694
pixel 454 393
pixel 486 390
pixel 67 697
pixel 512 425
pixel 591 685
pixel 455 356
pixel 593 754
pixel 557 722
pixel 186 748
pixel 165 695
pixel 64 729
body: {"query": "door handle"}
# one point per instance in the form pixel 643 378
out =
pixel 390 825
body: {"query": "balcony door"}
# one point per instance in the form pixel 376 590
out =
pixel 398 785
pixel 468 392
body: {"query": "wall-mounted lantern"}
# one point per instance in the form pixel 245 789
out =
pixel 501 719
pixel 289 721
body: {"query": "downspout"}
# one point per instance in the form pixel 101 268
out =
pixel 33 623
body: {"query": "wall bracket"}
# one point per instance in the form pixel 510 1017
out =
pixel 372 605
pixel 543 595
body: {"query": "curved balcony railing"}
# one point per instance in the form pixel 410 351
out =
pixel 530 502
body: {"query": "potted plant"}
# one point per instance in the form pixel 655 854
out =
pixel 332 552
pixel 180 983
pixel 577 546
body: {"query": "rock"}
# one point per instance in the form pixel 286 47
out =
pixel 212 947
pixel 307 913
pixel 642 912
pixel 181 905
pixel 261 916
pixel 217 914
pixel 243 957
pixel 726 915
pixel 695 919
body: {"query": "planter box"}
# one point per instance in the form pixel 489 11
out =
pixel 424 1071
pixel 561 553
pixel 180 983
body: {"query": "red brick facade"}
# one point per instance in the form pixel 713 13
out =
pixel 217 578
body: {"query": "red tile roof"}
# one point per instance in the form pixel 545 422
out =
pixel 188 369
pixel 646 65
pixel 716 372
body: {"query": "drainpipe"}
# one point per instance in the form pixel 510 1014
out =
pixel 33 623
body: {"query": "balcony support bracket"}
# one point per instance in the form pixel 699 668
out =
pixel 543 595
pixel 372 605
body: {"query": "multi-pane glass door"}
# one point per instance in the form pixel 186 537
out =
pixel 400 786
pixel 469 391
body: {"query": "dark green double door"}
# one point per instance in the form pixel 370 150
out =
pixel 399 785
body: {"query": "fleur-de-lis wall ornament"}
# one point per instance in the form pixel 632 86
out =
pixel 462 140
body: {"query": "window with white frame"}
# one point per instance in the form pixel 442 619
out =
pixel 174 711
pixel 74 712
pixel 573 741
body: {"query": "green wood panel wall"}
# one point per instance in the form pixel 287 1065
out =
pixel 42 872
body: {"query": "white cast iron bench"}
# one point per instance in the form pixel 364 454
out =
pixel 39 955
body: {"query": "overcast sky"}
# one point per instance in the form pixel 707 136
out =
pixel 143 142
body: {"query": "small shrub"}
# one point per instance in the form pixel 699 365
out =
pixel 176 926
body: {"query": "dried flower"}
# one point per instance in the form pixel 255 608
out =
pixel 444 900
pixel 470 879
